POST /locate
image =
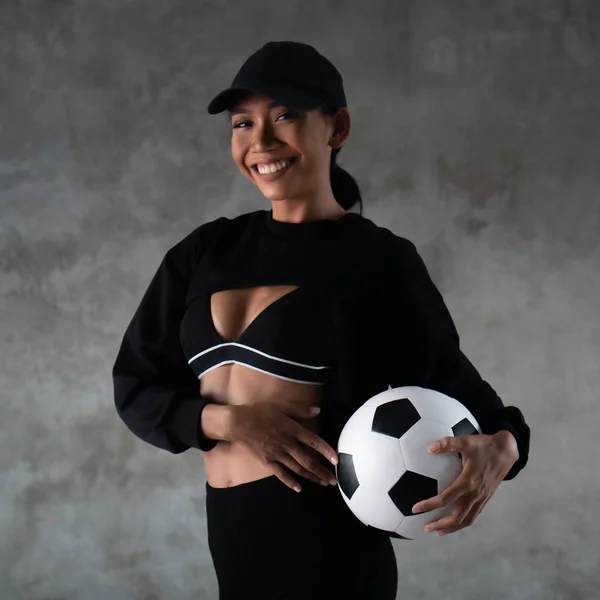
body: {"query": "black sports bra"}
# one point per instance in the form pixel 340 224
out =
pixel 290 339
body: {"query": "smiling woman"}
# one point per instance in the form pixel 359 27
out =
pixel 252 321
pixel 289 153
pixel 265 132
pixel 285 137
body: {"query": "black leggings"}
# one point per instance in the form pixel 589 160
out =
pixel 269 542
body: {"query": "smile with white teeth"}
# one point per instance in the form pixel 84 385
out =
pixel 265 169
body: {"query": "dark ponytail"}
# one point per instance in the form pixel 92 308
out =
pixel 344 186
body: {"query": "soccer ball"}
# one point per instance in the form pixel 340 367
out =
pixel 384 467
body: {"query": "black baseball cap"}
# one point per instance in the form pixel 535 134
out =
pixel 293 73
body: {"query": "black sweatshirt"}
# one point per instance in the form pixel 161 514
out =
pixel 382 319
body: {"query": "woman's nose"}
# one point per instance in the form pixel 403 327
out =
pixel 263 135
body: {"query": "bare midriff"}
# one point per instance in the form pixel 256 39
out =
pixel 230 463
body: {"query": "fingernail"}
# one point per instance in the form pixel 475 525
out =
pixel 297 489
pixel 334 460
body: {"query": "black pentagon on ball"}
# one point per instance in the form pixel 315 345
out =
pixel 464 427
pixel 395 418
pixel 346 474
pixel 410 489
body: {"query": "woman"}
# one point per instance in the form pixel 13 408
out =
pixel 281 311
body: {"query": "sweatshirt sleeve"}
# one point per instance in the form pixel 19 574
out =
pixel 431 354
pixel 156 393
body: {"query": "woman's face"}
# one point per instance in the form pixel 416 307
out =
pixel 264 132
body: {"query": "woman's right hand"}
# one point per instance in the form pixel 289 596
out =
pixel 276 439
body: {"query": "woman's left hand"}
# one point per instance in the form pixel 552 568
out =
pixel 486 460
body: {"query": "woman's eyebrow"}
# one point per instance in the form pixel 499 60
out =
pixel 239 110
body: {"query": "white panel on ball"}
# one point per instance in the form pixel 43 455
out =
pixel 444 468
pixel 355 433
pixel 374 507
pixel 436 406
pixel 380 464
pixel 379 461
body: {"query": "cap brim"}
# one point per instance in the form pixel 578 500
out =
pixel 287 96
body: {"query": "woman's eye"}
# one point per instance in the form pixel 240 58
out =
pixel 238 125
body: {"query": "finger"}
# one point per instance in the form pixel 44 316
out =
pixel 459 513
pixel 309 462
pixel 449 444
pixel 451 494
pixel 284 476
pixel 300 411
pixel 294 465
pixel 468 519
pixel 312 440
pixel 304 462
pixel 447 521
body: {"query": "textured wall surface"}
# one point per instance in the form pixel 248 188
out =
pixel 476 134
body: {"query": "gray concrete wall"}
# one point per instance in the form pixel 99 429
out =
pixel 476 131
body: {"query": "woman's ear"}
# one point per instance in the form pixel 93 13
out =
pixel 341 128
